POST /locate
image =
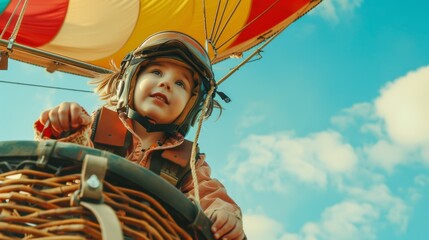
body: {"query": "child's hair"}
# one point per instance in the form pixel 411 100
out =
pixel 106 87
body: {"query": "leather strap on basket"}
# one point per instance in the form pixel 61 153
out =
pixel 109 223
pixel 90 196
pixel 93 172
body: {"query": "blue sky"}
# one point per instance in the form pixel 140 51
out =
pixel 326 137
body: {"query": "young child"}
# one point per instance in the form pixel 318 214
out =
pixel 150 105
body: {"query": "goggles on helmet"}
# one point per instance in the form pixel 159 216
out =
pixel 174 44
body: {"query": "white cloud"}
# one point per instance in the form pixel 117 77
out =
pixel 258 226
pixel 345 220
pixel 249 121
pixel 270 162
pixel 349 5
pixel 253 114
pixel 386 155
pixel 360 216
pixel 336 156
pixel 350 117
pixel 363 109
pixel 376 129
pixel 414 194
pixel 327 10
pixel 425 155
pixel 332 9
pixel 403 106
pixel 422 180
pixel 394 209
pixel 362 117
pixel 397 119
pixel 289 236
pixel 366 206
pixel 342 121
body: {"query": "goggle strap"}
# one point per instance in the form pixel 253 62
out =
pixel 151 127
pixel 224 97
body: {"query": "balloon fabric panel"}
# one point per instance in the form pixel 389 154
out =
pixel 102 32
pixel 41 23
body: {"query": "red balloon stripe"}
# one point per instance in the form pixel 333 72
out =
pixel 41 23
pixel 278 10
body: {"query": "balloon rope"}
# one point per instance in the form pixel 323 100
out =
pixel 259 49
pixel 248 24
pixel 215 20
pixel 216 39
pixel 194 145
pixel 205 26
pixel 18 23
pixel 10 19
pixel 220 20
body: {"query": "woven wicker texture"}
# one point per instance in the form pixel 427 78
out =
pixel 37 205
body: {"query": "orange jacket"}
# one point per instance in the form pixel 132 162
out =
pixel 213 195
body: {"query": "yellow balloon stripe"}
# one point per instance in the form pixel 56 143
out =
pixel 95 29
pixel 184 16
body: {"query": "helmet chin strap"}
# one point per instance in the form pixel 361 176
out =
pixel 149 126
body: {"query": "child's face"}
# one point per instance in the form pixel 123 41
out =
pixel 162 91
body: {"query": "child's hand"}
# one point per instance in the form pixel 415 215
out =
pixel 226 225
pixel 65 117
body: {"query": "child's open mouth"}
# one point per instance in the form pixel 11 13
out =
pixel 160 97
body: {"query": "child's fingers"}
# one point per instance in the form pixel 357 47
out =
pixel 219 219
pixel 75 111
pixel 64 116
pixel 77 116
pixel 85 119
pixel 222 232
pixel 223 224
pixel 44 117
pixel 236 233
pixel 54 120
pixel 226 226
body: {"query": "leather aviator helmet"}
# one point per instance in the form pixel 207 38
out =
pixel 175 46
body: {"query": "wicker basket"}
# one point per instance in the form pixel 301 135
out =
pixel 38 186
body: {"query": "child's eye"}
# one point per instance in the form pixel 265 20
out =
pixel 180 84
pixel 156 72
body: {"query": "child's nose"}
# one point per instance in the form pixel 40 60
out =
pixel 165 83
